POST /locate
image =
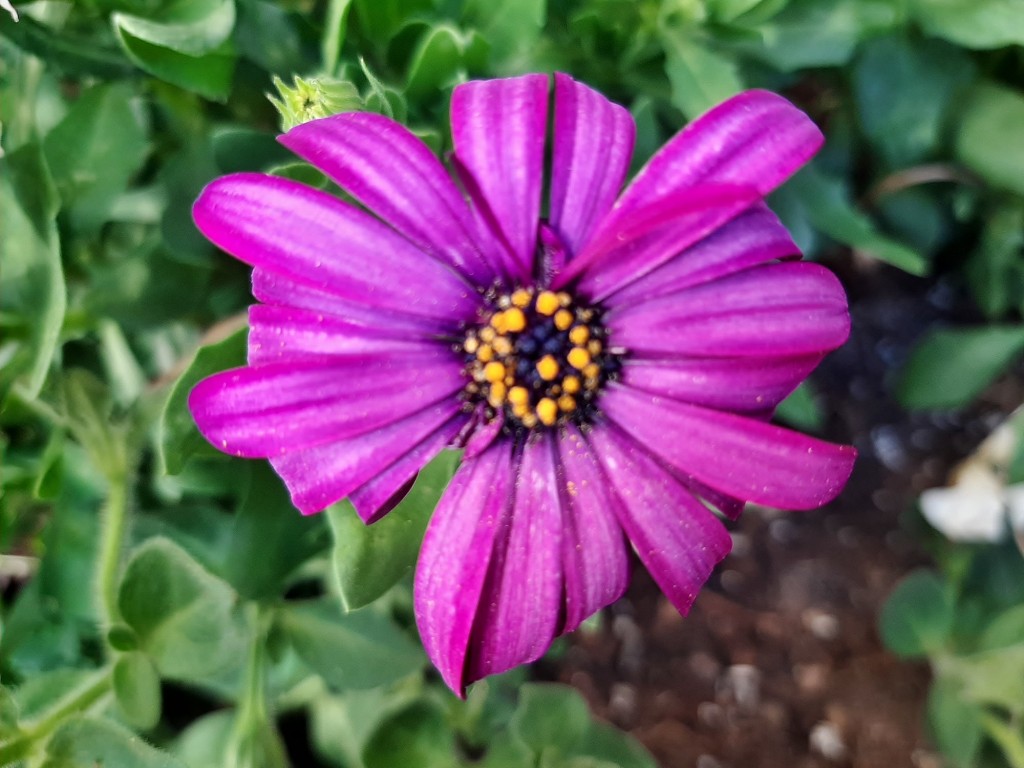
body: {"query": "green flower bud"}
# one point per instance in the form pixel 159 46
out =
pixel 313 98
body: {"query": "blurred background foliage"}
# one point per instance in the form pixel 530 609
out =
pixel 174 593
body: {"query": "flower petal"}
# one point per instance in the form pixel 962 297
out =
pixel 594 555
pixel 785 309
pixel 278 290
pixel 755 139
pixel 455 559
pixel 739 384
pixel 593 144
pixel 754 237
pixel 383 165
pixel 320 241
pixel 371 500
pixel 743 457
pixel 285 334
pixel 320 475
pixel 273 409
pixel 499 129
pixel 616 256
pixel 520 608
pixel 678 539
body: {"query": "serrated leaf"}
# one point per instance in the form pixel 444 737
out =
pixel 369 560
pixel 355 650
pixel 917 617
pixel 137 690
pixel 950 367
pixel 989 140
pixel 178 437
pixel 85 742
pixel 33 278
pixel 182 614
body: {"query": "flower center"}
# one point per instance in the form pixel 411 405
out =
pixel 538 359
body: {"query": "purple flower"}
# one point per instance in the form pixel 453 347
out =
pixel 609 362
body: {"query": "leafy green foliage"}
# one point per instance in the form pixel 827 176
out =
pixel 116 113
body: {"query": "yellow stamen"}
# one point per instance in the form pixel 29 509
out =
pixel 521 298
pixel 484 353
pixel 564 299
pixel 529 420
pixel 519 410
pixel 571 385
pixel 471 345
pixel 563 319
pixel 547 303
pixel 594 347
pixel 578 358
pixel 567 403
pixel 579 335
pixel 487 334
pixel 494 372
pixel 592 372
pixel 547 368
pixel 502 346
pixel 497 395
pixel 547 411
pixel 515 320
pixel 518 396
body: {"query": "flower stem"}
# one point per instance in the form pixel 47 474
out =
pixel 113 523
pixel 24 743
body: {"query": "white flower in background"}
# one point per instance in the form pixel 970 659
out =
pixel 978 503
pixel 9 8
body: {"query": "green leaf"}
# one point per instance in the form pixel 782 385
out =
pixel 204 743
pixel 972 23
pixel 192 27
pixel 181 613
pixel 178 437
pixel 86 742
pixel 809 33
pixel 606 742
pixel 269 538
pixel 802 410
pixel 992 677
pixel 334 33
pixel 989 140
pixel 417 736
pixel 245 149
pixel 137 690
pixel 904 89
pixel 438 60
pixel 917 618
pixel 67 53
pixel 995 271
pixel 267 34
pixel 513 30
pixel 950 367
pixel 8 714
pixel 1004 630
pixel 208 75
pixel 95 151
pixel 380 20
pixel 700 77
pixel 826 205
pixel 33 280
pixel 550 719
pixel 356 650
pixel 58 690
pixel 369 560
pixel 955 724
pixel 1008 736
pixel 342 724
